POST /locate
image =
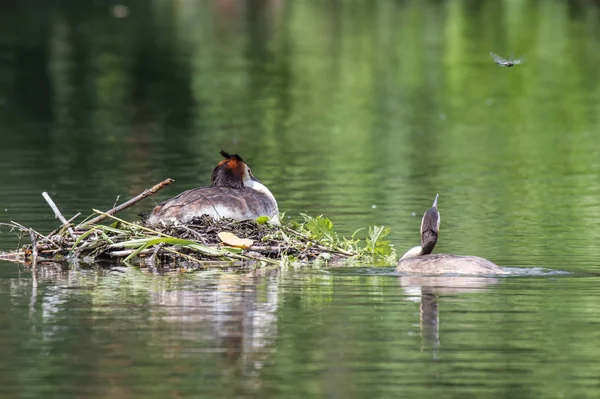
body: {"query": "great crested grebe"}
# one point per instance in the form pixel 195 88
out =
pixel 418 260
pixel 234 193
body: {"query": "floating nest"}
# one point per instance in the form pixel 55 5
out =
pixel 203 242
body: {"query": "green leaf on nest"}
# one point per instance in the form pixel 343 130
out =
pixel 320 229
pixel 376 245
pixel 262 220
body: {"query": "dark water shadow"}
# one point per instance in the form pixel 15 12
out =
pixel 427 290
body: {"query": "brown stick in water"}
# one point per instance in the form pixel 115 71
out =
pixel 127 204
pixel 22 228
pixel 154 256
pixel 34 249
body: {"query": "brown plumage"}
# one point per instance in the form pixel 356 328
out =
pixel 448 264
pixel 234 193
pixel 229 172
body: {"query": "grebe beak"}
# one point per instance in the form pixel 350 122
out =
pixel 435 201
pixel 253 178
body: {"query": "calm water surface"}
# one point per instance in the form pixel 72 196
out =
pixel 359 110
pixel 353 332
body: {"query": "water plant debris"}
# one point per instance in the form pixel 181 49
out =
pixel 201 242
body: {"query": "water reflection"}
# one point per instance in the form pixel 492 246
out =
pixel 427 291
pixel 240 314
pixel 213 323
pixel 106 334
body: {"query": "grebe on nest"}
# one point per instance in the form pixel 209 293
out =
pixel 234 193
pixel 419 260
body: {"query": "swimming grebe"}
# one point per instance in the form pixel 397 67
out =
pixel 234 193
pixel 418 260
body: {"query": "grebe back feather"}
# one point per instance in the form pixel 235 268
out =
pixel 234 193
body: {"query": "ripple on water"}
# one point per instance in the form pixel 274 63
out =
pixel 391 271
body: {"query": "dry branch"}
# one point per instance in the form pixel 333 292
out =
pixel 57 213
pixel 68 222
pixel 147 193
pixel 126 252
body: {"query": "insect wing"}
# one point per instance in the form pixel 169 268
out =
pixel 499 60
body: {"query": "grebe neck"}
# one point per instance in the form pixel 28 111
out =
pixel 413 252
pixel 258 186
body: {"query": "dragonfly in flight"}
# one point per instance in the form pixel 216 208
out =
pixel 505 62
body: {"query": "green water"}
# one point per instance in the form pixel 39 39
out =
pixel 360 110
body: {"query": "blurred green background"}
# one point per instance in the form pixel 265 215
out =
pixel 361 110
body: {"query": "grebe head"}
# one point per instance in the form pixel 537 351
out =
pixel 235 173
pixel 231 172
pixel 430 228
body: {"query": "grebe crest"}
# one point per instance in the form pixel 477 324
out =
pixel 232 172
pixel 234 193
pixel 419 260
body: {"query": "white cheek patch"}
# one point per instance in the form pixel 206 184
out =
pixel 439 220
pixel 246 177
